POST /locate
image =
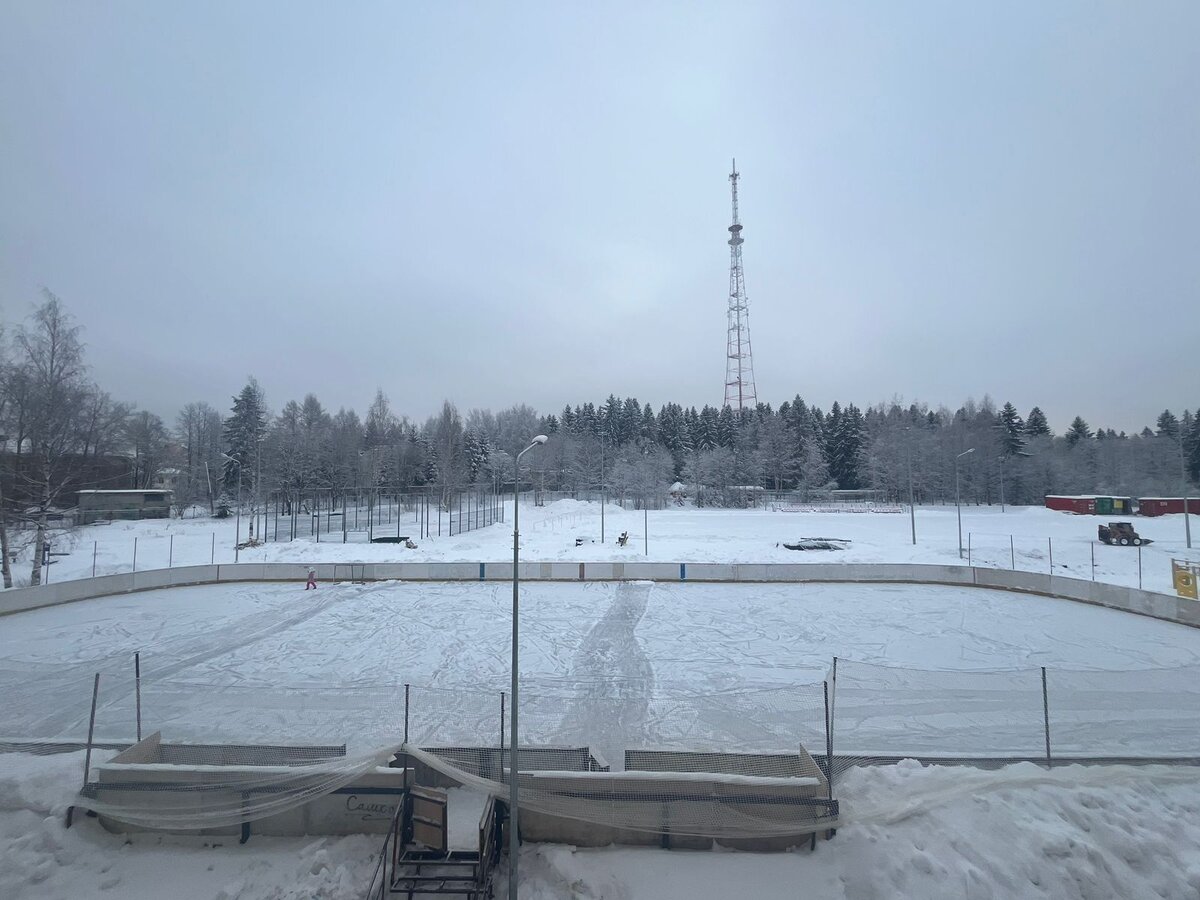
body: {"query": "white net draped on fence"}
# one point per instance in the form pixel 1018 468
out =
pixel 631 753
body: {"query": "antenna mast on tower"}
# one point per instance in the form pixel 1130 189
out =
pixel 739 364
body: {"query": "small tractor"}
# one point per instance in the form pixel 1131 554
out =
pixel 1122 533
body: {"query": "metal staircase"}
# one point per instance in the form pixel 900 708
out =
pixel 415 861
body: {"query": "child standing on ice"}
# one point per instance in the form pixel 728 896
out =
pixel 312 579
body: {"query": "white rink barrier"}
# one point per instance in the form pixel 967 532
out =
pixel 1111 596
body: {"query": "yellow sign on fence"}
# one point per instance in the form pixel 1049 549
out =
pixel 1185 575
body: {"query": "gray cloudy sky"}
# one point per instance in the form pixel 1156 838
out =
pixel 498 203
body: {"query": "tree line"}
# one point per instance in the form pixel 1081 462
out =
pixel 62 431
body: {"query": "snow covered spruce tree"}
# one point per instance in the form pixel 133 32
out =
pixel 245 430
pixel 1012 431
pixel 1079 431
pixel 1036 425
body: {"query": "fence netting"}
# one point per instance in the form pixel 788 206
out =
pixel 632 753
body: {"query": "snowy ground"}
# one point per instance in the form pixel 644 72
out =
pixel 674 535
pixel 618 665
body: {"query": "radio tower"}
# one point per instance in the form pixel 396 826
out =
pixel 739 364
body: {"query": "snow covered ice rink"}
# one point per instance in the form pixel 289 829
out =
pixel 619 665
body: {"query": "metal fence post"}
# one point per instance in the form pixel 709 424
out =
pixel 1093 546
pixel 502 723
pixel 87 759
pixel 1046 718
pixel 406 687
pixel 829 728
pixel 828 743
pixel 1012 554
pixel 171 552
pixel 969 548
pixel 1050 544
pixel 135 554
pixel 95 547
pixel 212 557
pixel 1139 567
pixel 137 690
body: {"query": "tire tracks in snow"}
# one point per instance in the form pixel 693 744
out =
pixel 614 680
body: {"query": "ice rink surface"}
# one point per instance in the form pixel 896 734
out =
pixel 612 665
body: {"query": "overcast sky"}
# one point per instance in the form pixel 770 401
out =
pixel 499 203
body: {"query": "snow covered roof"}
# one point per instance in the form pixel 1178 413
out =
pixel 1084 496
pixel 677 486
pixel 129 491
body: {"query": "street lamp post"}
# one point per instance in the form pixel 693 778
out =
pixel 602 490
pixel 957 500
pixel 513 845
pixel 238 527
pixel 1187 525
pixel 912 509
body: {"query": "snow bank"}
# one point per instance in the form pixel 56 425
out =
pixel 1100 832
pixel 1070 833
pixel 42 860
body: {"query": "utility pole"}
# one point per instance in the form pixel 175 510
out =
pixel 912 509
pixel 1183 481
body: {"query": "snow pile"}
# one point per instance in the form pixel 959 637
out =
pixel 1101 832
pixel 1020 832
pixel 42 860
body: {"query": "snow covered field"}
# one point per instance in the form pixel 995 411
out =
pixel 674 535
pixel 617 665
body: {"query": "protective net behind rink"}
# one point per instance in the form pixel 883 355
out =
pixel 770 760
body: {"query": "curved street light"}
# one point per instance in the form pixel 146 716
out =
pixel 513 845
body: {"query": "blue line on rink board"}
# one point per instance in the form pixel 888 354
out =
pixel 683 571
pixel 481 565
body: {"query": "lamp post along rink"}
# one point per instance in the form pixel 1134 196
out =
pixel 513 770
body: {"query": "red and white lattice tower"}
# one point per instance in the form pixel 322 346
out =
pixel 739 364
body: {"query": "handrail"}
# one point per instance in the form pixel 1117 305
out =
pixel 381 867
